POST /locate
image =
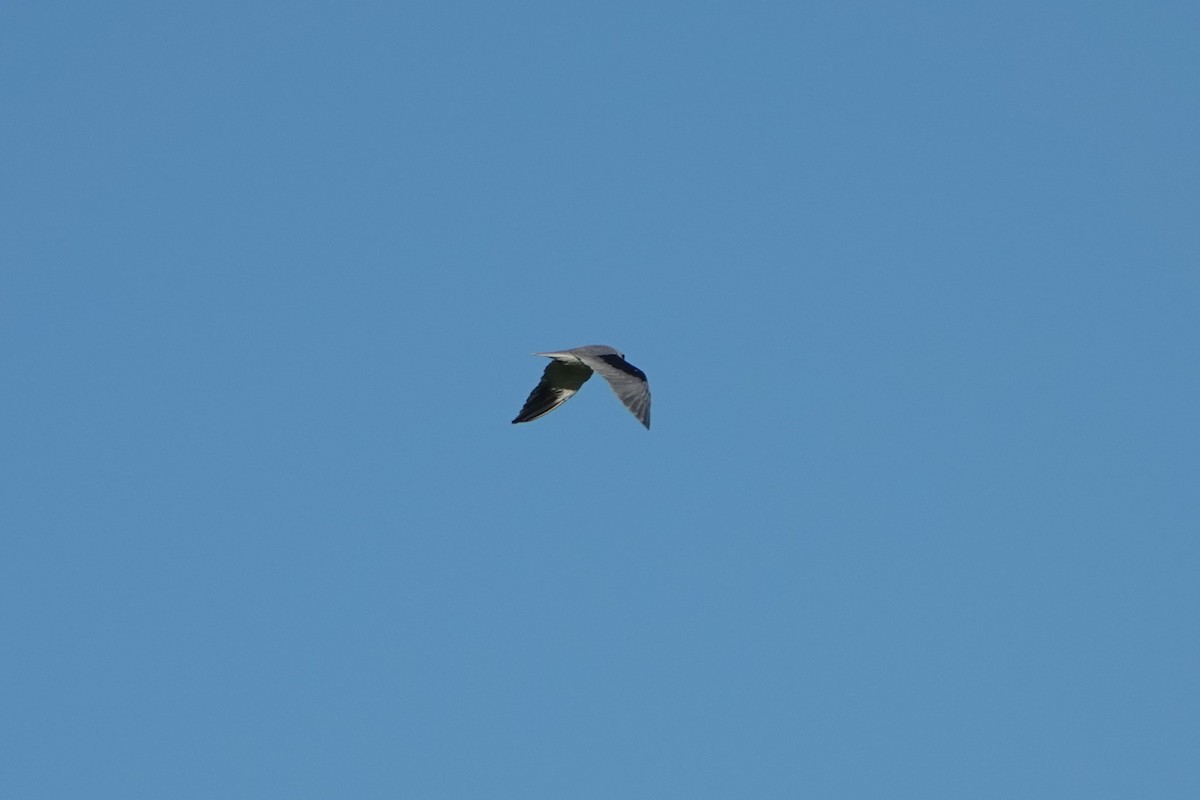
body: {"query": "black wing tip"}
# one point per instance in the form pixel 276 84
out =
pixel 529 415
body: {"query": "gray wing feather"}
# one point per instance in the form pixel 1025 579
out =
pixel 626 380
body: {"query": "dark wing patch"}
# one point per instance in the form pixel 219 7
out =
pixel 559 384
pixel 623 365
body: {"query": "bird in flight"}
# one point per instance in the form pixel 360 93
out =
pixel 570 369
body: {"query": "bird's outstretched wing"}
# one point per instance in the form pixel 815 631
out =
pixel 626 380
pixel 559 384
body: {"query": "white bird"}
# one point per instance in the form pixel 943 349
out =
pixel 570 369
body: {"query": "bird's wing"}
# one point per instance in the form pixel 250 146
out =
pixel 626 380
pixel 559 383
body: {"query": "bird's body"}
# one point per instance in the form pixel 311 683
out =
pixel 569 369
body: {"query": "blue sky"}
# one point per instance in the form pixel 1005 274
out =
pixel 916 287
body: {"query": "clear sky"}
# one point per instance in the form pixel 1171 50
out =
pixel 917 288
